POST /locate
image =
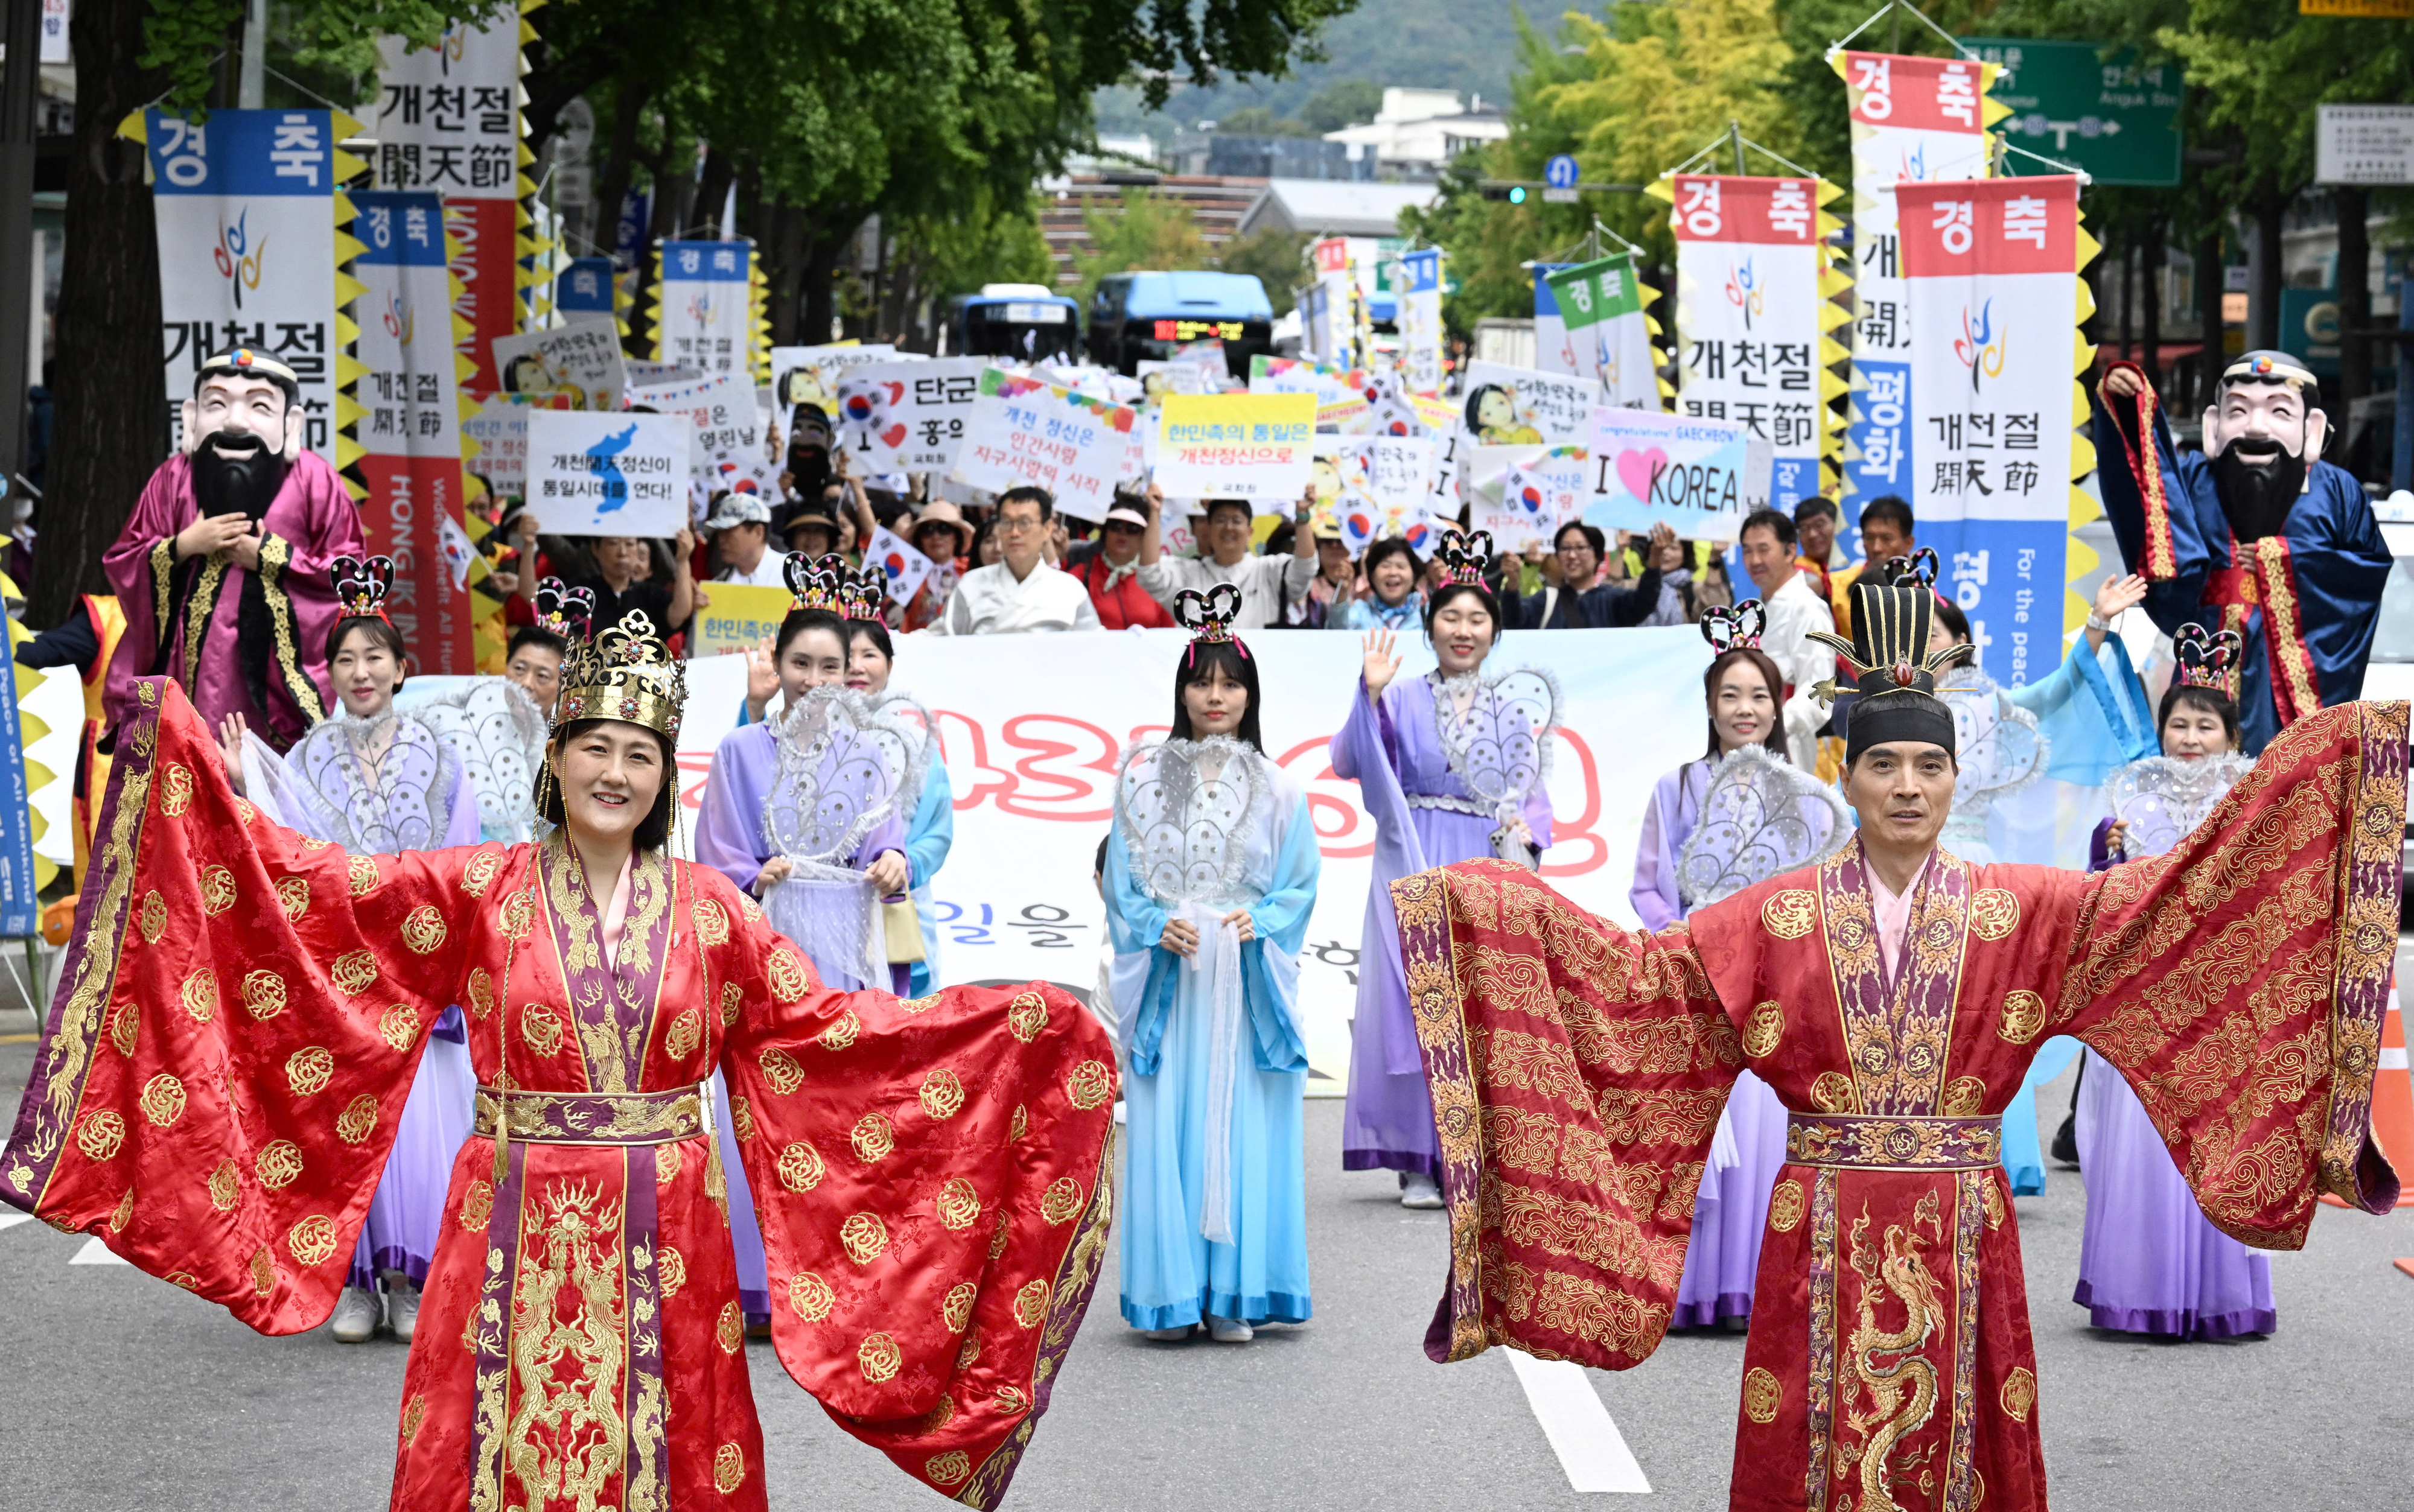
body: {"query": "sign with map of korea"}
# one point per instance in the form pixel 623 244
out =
pixel 1022 431
pixel 1698 477
pixel 608 475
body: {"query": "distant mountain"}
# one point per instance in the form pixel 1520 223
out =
pixel 1466 45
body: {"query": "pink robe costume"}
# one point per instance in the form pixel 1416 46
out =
pixel 185 619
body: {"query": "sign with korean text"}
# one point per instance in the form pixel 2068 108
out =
pixel 703 307
pixel 811 375
pixel 585 288
pixel 2109 115
pixel 1552 351
pixel 737 617
pixel 245 209
pixel 608 475
pixel 409 429
pixel 500 429
pixel 908 416
pixel 728 429
pixel 1530 499
pixel 448 123
pixel 1022 431
pixel 1992 270
pixel 579 363
pixel 1504 406
pixel 1752 320
pixel 1420 320
pixel 2364 144
pixel 1914 120
pixel 1333 336
pixel 1373 486
pixel 1609 335
pixel 1699 477
pixel 1254 446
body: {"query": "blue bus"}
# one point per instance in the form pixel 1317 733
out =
pixel 1144 316
pixel 1029 322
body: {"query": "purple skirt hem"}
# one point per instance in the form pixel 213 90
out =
pixel 1391 1160
pixel 1711 1313
pixel 2166 1324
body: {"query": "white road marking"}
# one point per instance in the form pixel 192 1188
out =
pixel 96 1254
pixel 1589 1447
pixel 12 1220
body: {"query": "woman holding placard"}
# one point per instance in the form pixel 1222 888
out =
pixel 1208 877
pixel 1449 766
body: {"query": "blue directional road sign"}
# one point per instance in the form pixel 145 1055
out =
pixel 1560 171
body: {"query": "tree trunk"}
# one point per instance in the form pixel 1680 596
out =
pixel 819 296
pixel 2150 295
pixel 784 237
pixel 2354 297
pixel 2212 281
pixel 2263 303
pixel 628 113
pixel 712 184
pixel 110 427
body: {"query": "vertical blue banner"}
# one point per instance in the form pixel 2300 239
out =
pixel 20 907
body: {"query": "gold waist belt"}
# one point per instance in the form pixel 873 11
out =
pixel 1905 1142
pixel 595 1118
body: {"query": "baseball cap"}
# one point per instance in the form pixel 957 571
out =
pixel 739 508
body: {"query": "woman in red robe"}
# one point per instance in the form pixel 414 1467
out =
pixel 222 1072
pixel 1891 997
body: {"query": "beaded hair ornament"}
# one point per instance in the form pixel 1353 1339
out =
pixel 861 591
pixel 1736 628
pixel 816 583
pixel 1208 617
pixel 361 587
pixel 2207 658
pixel 1465 558
pixel 563 611
pixel 625 672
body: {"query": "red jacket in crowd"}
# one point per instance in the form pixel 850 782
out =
pixel 1124 604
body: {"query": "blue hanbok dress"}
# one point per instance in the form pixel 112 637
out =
pixel 421 800
pixel 1215 1200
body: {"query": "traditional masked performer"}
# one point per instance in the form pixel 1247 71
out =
pixel 377 782
pixel 222 567
pixel 870 658
pixel 1210 878
pixel 1714 826
pixel 238 1023
pixel 2256 534
pixel 1449 765
pixel 1890 996
pixel 2148 1261
pixel 807 811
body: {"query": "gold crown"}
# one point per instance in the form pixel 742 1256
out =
pixel 624 673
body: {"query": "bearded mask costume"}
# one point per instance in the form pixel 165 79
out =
pixel 1577 1072
pixel 2256 534
pixel 237 1027
pixel 237 640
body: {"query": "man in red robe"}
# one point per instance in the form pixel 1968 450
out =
pixel 1892 996
pixel 222 567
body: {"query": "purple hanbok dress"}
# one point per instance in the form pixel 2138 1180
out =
pixel 1731 1209
pixel 1425 815
pixel 2149 1260
pixel 421 800
pixel 733 836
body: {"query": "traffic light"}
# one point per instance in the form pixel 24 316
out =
pixel 1503 189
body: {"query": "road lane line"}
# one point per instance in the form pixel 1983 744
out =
pixel 12 1220
pixel 96 1254
pixel 1582 1433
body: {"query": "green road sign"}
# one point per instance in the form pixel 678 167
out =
pixel 2116 120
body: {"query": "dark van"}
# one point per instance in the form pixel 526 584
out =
pixel 1144 316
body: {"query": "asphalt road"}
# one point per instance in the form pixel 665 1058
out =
pixel 122 1392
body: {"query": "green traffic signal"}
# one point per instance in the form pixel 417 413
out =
pixel 1517 194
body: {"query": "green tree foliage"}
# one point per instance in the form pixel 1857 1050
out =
pixel 1260 121
pixel 1345 102
pixel 1143 231
pixel 1277 258
pixel 186 37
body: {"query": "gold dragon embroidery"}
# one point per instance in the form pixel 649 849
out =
pixel 1901 1395
pixel 568 1433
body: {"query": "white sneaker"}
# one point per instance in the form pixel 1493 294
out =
pixel 357 1313
pixel 1417 1190
pixel 1229 1330
pixel 402 1310
pixel 1167 1336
